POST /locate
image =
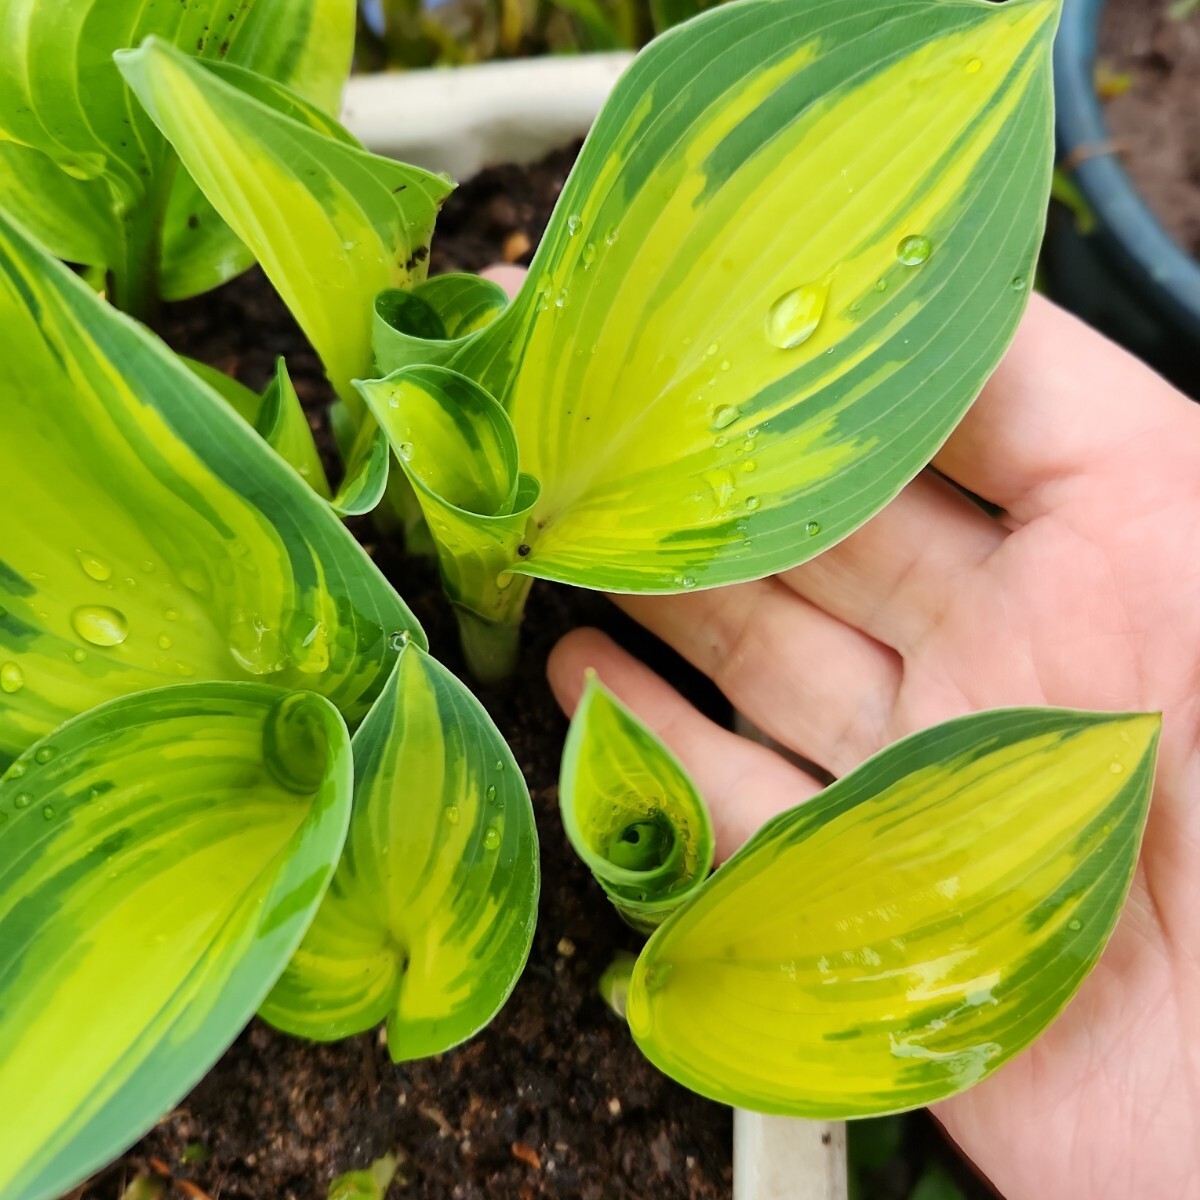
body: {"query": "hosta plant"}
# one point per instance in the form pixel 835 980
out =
pixel 83 165
pixel 891 941
pixel 231 777
pixel 796 242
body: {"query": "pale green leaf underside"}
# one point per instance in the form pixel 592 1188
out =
pixel 900 936
pixel 631 812
pixel 430 917
pixel 797 241
pixel 160 858
pixel 150 536
pixel 61 96
pixel 331 224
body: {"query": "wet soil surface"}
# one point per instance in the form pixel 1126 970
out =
pixel 1152 114
pixel 552 1100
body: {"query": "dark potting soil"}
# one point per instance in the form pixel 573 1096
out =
pixel 1154 121
pixel 552 1100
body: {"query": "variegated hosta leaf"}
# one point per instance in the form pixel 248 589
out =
pixel 796 243
pixel 278 418
pixel 457 449
pixel 906 932
pixel 284 427
pixel 245 402
pixel 367 472
pixel 105 191
pixel 160 859
pixel 149 536
pixel 429 919
pixel 631 811
pixel 331 224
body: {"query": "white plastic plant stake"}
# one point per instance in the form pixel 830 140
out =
pixel 462 120
pixel 783 1158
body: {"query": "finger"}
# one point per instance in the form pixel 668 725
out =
pixel 803 677
pixel 506 275
pixel 893 577
pixel 742 782
pixel 1063 403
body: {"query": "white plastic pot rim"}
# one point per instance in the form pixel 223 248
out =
pixel 460 120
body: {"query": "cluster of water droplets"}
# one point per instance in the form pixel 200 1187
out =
pixel 589 254
pixel 20 770
pixel 493 834
pixel 796 315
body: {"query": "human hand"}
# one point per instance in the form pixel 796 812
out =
pixel 1085 594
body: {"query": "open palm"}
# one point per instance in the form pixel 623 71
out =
pixel 1085 593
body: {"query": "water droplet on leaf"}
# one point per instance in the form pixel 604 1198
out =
pixel 100 625
pixel 574 224
pixel 453 815
pixel 48 812
pixel 405 450
pixel 914 250
pixel 752 502
pixel 491 838
pixel 491 791
pixel 812 528
pixel 724 416
pixel 588 257
pixel 94 568
pixel 45 754
pixel 974 66
pixel 12 678
pixel 22 800
pixel 794 317
pixel 399 639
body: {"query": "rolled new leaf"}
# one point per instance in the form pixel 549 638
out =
pixel 430 917
pixel 795 245
pixel 427 325
pixel 160 859
pixel 631 811
pixel 331 224
pixel 905 933
pixel 150 537
pixel 89 170
pixel 457 449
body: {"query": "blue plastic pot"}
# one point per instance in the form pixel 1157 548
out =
pixel 1127 277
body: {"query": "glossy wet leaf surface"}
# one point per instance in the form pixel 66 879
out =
pixel 796 243
pixel 160 858
pixel 900 936
pixel 151 537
